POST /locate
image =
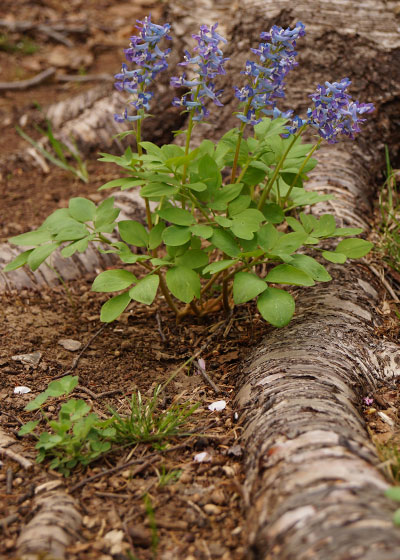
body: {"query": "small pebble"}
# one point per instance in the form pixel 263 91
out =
pixel 18 481
pixel 70 344
pixel 212 509
pixel 185 478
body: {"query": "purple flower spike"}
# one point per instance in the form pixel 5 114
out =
pixel 266 77
pixel 208 63
pixel 146 54
pixel 334 113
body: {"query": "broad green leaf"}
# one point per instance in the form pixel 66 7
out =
pixel 222 221
pixel 197 187
pixel 81 245
pixel 172 151
pixel 206 147
pixel 326 226
pixel 247 286
pixel 176 235
pixel 253 175
pixel 193 258
pixel 289 243
pixel 36 237
pixel 106 213
pixel 155 236
pixel 202 231
pixel 273 213
pixel 75 409
pixel 246 223
pixel 225 195
pixel 146 289
pixel 113 281
pixel 287 274
pixel 19 261
pixel 250 246
pixel 309 221
pixel 330 256
pixel 267 236
pixel 276 306
pixel 133 233
pixel 157 189
pixel 40 254
pixel 37 402
pixel 114 307
pixel 176 216
pixel 28 427
pixel 238 205
pixel 56 220
pixel 354 248
pixel 295 225
pixel 393 493
pixel 62 386
pixel 209 173
pixel 72 232
pixel 82 209
pixel 217 266
pixel 344 232
pixel 154 150
pixel 311 267
pixel 225 241
pixel 183 283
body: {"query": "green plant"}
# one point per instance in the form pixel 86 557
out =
pixel 24 46
pixel 79 437
pixel 228 224
pixel 167 477
pixel 76 437
pixel 389 223
pixel 61 153
pixel 145 424
pixel 394 494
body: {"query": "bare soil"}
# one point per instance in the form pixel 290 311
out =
pixel 200 514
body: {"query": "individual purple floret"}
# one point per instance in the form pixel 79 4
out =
pixel 266 77
pixel 333 113
pixel 208 63
pixel 146 54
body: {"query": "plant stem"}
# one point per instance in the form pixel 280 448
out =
pixel 140 152
pixel 225 293
pixel 271 182
pixel 166 294
pixel 317 145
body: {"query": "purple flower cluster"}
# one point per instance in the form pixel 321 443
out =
pixel 146 54
pixel 208 63
pixel 266 77
pixel 333 113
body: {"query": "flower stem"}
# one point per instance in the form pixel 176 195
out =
pixel 317 145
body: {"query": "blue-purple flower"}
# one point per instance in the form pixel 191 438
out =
pixel 333 113
pixel 208 62
pixel 266 77
pixel 145 53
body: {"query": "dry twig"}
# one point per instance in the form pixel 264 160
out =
pixel 25 463
pixel 25 84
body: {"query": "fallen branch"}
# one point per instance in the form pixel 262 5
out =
pixel 25 463
pixel 25 84
pixel 50 31
pixel 103 77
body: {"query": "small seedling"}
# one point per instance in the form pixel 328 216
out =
pixel 167 477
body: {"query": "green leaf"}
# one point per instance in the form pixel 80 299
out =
pixel 133 233
pixel 62 386
pixel 222 221
pixel 239 204
pixel 295 225
pixel 217 266
pixel 344 232
pixel 106 213
pixel 276 306
pixel 289 243
pixel 354 248
pixel 287 274
pixel 396 517
pixel 202 231
pixel 81 245
pixel 123 182
pixel 225 241
pixel 176 216
pixel 36 237
pixel 253 175
pixel 40 254
pixel 28 427
pixel 193 258
pixel 82 209
pixel 154 190
pixel 155 236
pixel 183 283
pixel 72 232
pixel 75 409
pixel 19 261
pixel 145 290
pixel 309 221
pixel 247 286
pixel 197 187
pixel 273 213
pixel 209 173
pixel 326 226
pixel 176 235
pixel 330 256
pixel 224 195
pixel 113 280
pixel 311 267
pixel 267 236
pixel 37 402
pixel 393 493
pixel 114 307
pixel 246 223
pixel 154 150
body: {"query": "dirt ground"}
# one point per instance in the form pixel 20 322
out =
pixel 199 513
